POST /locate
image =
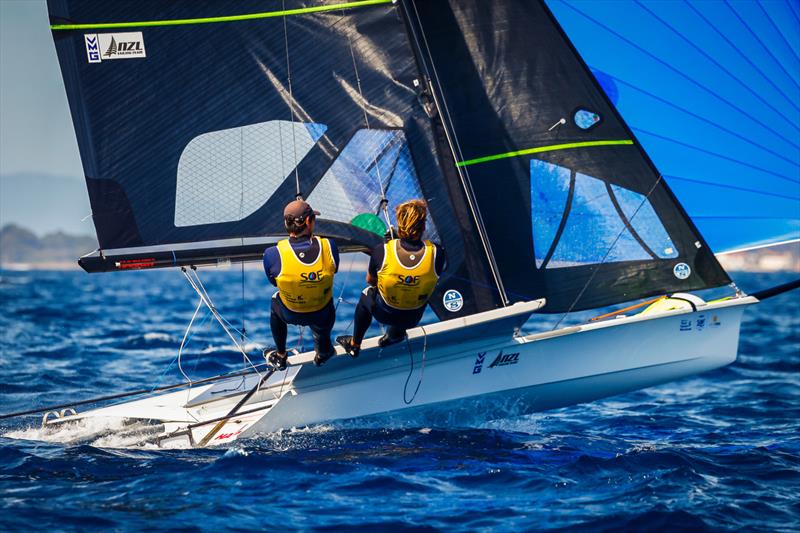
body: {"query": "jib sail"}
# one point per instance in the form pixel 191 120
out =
pixel 573 209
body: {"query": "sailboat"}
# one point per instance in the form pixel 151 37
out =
pixel 195 127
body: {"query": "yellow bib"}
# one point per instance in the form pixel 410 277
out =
pixel 305 287
pixel 403 287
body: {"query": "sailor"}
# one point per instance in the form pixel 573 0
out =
pixel 302 267
pixel 402 275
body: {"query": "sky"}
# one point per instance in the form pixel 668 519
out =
pixel 41 180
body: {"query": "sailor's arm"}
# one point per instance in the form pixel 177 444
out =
pixel 272 264
pixel 375 263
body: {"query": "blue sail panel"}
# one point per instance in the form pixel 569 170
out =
pixel 712 91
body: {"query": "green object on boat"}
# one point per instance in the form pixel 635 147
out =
pixel 369 222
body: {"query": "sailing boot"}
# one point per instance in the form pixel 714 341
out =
pixel 387 340
pixel 276 360
pixel 346 342
pixel 321 358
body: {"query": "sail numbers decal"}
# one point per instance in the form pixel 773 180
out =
pixel 105 46
pixel 682 271
pixel 453 301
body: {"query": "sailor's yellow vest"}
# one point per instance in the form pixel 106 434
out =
pixel 403 287
pixel 305 287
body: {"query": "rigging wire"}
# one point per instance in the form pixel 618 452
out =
pixel 384 204
pixel 456 152
pixel 603 260
pixel 298 193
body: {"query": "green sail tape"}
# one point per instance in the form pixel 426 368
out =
pixel 540 149
pixel 213 20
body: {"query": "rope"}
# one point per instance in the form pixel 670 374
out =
pixel 384 205
pixel 611 247
pixel 411 370
pixel 183 341
pixel 198 286
pixel 298 194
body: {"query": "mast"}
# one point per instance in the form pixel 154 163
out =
pixel 449 164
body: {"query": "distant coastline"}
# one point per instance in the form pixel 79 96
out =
pixel 21 249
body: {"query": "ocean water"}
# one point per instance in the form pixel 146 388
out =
pixel 717 451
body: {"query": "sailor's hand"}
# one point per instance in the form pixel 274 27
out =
pixel 390 233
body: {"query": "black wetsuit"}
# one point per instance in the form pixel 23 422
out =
pixel 371 304
pixel 319 322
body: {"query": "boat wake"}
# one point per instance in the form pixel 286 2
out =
pixel 100 432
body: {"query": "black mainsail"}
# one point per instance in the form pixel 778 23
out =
pixel 195 127
pixel 191 148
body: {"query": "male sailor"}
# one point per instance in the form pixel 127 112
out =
pixel 302 267
pixel 402 275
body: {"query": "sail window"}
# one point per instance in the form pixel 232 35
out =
pixel 350 191
pixel 226 175
pixel 586 119
pixel 579 219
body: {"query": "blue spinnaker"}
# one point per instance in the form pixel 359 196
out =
pixel 712 91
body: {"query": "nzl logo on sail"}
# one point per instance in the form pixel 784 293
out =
pixel 502 359
pixel 104 46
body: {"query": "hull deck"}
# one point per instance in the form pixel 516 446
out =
pixel 464 372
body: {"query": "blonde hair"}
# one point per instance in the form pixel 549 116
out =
pixel 411 218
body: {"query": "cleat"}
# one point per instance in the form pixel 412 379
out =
pixel 346 342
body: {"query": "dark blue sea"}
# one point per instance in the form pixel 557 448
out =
pixel 718 451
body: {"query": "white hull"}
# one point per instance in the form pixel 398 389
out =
pixel 534 373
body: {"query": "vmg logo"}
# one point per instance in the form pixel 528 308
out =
pixel 92 48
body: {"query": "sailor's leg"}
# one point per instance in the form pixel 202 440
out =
pixel 363 315
pixel 398 323
pixel 278 326
pixel 321 327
